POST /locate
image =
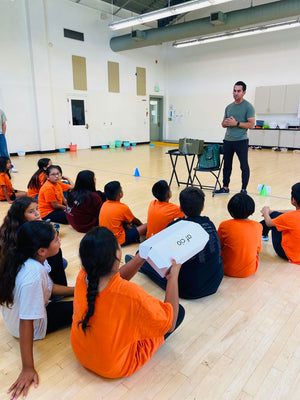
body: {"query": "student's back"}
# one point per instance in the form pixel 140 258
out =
pixel 240 243
pixel 161 212
pixel 240 238
pixel 202 274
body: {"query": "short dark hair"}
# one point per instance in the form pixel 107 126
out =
pixel 112 190
pixel 240 206
pixel 241 83
pixel 191 201
pixel 296 193
pixel 160 190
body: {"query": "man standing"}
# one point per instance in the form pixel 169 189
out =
pixel 3 145
pixel 239 117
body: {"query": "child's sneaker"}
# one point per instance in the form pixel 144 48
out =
pixel 265 238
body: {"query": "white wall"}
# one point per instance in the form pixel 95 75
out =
pixel 36 76
pixel 200 78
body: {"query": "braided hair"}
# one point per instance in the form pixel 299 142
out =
pixel 31 236
pixel 97 251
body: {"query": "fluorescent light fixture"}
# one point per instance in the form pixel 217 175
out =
pixel 165 12
pixel 238 33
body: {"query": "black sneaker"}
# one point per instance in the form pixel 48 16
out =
pixel 222 191
pixel 244 191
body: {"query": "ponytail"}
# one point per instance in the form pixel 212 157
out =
pixel 98 254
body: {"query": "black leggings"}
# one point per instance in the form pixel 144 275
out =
pixel 59 315
pixel 276 235
pixel 240 147
pixel 57 273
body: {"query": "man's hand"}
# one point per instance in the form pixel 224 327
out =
pixel 22 384
pixel 231 121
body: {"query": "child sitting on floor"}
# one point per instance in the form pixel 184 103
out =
pixel 7 192
pixel 25 291
pixel 118 217
pixel 240 238
pixel 161 212
pixel 52 204
pixel 117 326
pixel 202 274
pixel 285 226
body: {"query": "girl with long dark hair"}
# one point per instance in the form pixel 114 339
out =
pixel 26 209
pixel 84 202
pixel 38 178
pixel 117 326
pixel 25 291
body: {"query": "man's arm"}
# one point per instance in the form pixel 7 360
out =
pixel 4 128
pixel 28 373
pixel 231 121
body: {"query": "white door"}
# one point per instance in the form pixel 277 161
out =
pixel 78 122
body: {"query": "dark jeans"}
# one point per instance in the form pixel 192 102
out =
pixel 276 235
pixel 59 315
pixel 181 314
pixel 162 283
pixel 57 216
pixel 240 147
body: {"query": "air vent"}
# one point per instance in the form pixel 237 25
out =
pixel 218 18
pixel 73 35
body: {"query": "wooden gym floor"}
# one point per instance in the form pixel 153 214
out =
pixel 240 344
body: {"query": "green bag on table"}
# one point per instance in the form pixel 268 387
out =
pixel 191 146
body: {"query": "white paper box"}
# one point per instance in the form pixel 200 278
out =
pixel 180 241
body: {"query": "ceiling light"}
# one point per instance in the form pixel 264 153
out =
pixel 165 12
pixel 238 33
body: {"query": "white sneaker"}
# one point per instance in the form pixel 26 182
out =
pixel 13 169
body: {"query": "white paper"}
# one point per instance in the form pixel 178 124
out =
pixel 180 241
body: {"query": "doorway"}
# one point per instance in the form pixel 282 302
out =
pixel 78 123
pixel 156 118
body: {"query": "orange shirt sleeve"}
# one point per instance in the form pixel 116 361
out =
pixel 65 186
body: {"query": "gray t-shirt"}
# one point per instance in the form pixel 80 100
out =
pixel 241 112
pixel 2 119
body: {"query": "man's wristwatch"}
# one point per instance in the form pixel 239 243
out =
pixel 238 124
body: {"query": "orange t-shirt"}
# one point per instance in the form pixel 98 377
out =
pixel 127 327
pixel 49 193
pixel 32 192
pixel 5 181
pixel 240 244
pixel 112 214
pixel 289 224
pixel 160 214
